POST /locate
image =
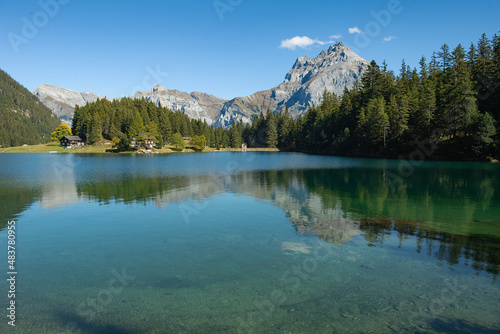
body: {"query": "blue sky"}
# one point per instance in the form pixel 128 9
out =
pixel 227 48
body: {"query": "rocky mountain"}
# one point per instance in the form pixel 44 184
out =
pixel 62 101
pixel 333 70
pixel 196 105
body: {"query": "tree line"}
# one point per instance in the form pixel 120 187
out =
pixel 124 119
pixel 452 100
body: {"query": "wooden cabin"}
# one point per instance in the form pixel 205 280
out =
pixel 71 141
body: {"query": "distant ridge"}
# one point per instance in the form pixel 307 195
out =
pixel 62 101
pixel 333 69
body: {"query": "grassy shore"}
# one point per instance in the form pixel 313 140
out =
pixel 107 147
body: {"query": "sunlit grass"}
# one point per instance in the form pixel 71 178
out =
pixel 55 147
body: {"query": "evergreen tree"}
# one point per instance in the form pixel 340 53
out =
pixel 462 109
pixel 164 126
pixel 236 133
pixel 285 130
pixel 372 82
pixel 95 134
pixel 272 131
pixel 445 57
pixel 136 127
pixel 427 101
pixel 484 131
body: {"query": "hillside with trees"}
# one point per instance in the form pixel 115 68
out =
pixel 24 119
pixel 450 103
pixel 140 119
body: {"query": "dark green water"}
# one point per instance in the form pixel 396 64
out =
pixel 250 243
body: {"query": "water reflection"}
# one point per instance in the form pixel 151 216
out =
pixel 481 252
pixel 13 201
pixel 451 215
pixel 60 192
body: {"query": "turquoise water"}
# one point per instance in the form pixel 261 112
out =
pixel 250 243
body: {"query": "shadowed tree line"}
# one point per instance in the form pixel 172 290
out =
pixel 452 100
pixel 481 252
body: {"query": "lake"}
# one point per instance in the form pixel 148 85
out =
pixel 250 243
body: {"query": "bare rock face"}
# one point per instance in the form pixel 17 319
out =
pixel 63 101
pixel 196 105
pixel 333 69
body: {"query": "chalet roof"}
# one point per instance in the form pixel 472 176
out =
pixel 73 138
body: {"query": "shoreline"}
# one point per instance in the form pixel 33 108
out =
pixel 50 148
pixel 107 149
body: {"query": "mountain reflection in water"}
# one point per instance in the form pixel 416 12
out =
pixel 450 214
pixel 481 252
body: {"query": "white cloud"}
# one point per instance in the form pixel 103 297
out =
pixel 301 42
pixel 355 30
pixel 389 38
pixel 337 36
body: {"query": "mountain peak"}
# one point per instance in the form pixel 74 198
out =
pixel 339 46
pixel 337 56
pixel 158 88
pixel 333 69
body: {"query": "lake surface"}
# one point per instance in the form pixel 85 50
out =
pixel 250 243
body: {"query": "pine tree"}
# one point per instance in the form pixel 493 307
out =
pixel 427 101
pixel 374 121
pixel 285 130
pixel 495 86
pixel 272 132
pixel 95 130
pixel 462 109
pixel 165 128
pixel 483 133
pixel 235 134
pixel 445 57
pixel 136 127
pixel 372 82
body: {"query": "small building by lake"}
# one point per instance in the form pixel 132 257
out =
pixel 71 141
pixel 147 143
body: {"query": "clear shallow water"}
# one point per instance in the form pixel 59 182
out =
pixel 251 243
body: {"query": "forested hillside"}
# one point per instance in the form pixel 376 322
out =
pixel 139 118
pixel 450 103
pixel 24 119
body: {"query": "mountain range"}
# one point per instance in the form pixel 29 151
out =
pixel 333 69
